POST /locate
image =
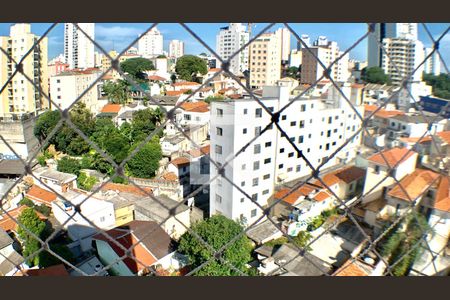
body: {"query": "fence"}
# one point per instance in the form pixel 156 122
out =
pixel 348 209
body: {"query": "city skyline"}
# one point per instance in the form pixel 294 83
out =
pixel 117 36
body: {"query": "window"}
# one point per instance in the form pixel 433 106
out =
pixel 283 117
pixel 291 154
pixel 309 136
pixel 300 139
pixel 268 144
pixel 335 130
pixel 256 165
pixel 321 133
pixel 218 199
pixel 289 169
pixel 257 149
pixel 377 169
pixel 244 131
pixel 255 197
pixel 245 111
pixel 270 108
pixel 242 200
pixel 293 123
pixel 218 149
pixel 253 213
pixel 267 160
pixel 328 133
pixel 219 131
pixel 219 112
pixel 102 219
pixel 258 113
pixel 327 146
pixel 309 150
pixel 243 183
pixel 282 150
pixel 297 168
pixel 302 124
pixel 330 120
pixel 255 182
pixel 303 107
pixel 243 167
pixel 265 192
pixel 267 176
pixel 280 166
pixel 257 131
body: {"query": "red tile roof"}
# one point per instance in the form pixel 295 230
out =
pixel 414 184
pixel 322 196
pixel 156 78
pixel 413 140
pixel 126 188
pixel 382 113
pixel 111 108
pixel 8 224
pixel 205 150
pixel 445 136
pixel 188 83
pixel 443 194
pixel 392 156
pixel 199 106
pixel 170 176
pixel 41 195
pixel 176 93
pixel 57 270
pixel 214 70
pixel 292 198
pixel 180 161
pixel 351 269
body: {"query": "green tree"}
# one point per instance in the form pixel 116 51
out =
pixel 173 77
pixel 30 220
pixel 209 99
pixel 293 72
pixel 45 123
pixel 188 66
pixel 217 231
pixel 117 92
pixel 117 146
pixel 144 122
pixel 136 67
pixel 69 165
pixel 375 75
pixel 26 201
pixel 145 162
pixel 440 84
pixel 86 182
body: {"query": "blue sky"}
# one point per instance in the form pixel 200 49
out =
pixel 119 35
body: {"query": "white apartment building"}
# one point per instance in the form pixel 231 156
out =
pixel 387 30
pixel 229 40
pixel 265 59
pixel 295 58
pixel 21 96
pixel 151 44
pixel 316 128
pixel 67 86
pixel 433 63
pixel 284 36
pixel 176 48
pixel 79 51
pixel 402 56
pixel 327 53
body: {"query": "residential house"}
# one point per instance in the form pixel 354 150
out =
pixel 8 221
pixel 148 243
pixel 82 215
pixel 440 151
pixel 354 268
pixel 11 262
pixel 180 167
pixel 40 196
pixel 57 181
pixel 193 113
pixel 397 162
pixel 199 165
pixel 111 110
pixel 184 85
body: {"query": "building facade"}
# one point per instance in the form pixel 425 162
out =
pixel 229 40
pixel 151 44
pixel 21 95
pixel 79 51
pixel 271 159
pixel 284 36
pixel 433 63
pixel 265 58
pixel 176 48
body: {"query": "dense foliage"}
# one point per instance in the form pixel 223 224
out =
pixel 30 220
pixel 188 66
pixel 217 231
pixel 86 182
pixel 117 92
pixel 136 67
pixel 209 99
pixel 375 75
pixel 440 84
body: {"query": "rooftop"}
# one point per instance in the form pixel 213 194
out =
pixel 356 268
pixel 5 239
pixel 414 184
pixel 415 119
pixel 183 83
pixel 180 161
pixel 263 231
pixel 127 188
pixel 205 150
pixel 382 113
pixel 444 136
pixel 159 210
pixel 57 270
pixel 391 157
pixel 199 106
pixel 111 108
pixel 39 194
pixel 60 177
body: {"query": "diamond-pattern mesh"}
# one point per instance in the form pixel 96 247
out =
pixel 371 242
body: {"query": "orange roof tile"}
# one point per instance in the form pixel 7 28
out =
pixel 176 93
pixel 205 150
pixel 414 184
pixel 111 108
pixel 392 156
pixel 8 224
pixel 199 106
pixel 425 139
pixel 322 196
pixel 382 113
pixel 214 70
pixel 41 195
pixel 170 176
pixel 126 188
pixel 156 78
pixel 292 198
pixel 351 269
pixel 445 136
pixel 179 161
pixel 443 194
pixel 346 174
pixel 57 270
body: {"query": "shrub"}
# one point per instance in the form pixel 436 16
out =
pixel 86 182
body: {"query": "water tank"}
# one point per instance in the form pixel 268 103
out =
pixel 369 260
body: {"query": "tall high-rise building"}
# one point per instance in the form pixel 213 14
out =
pixel 305 38
pixel 265 58
pixel 433 63
pixel 151 44
pixel 317 128
pixel 229 40
pixel 79 51
pixel 176 48
pixel 387 30
pixel 326 52
pixel 284 37
pixel 22 96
